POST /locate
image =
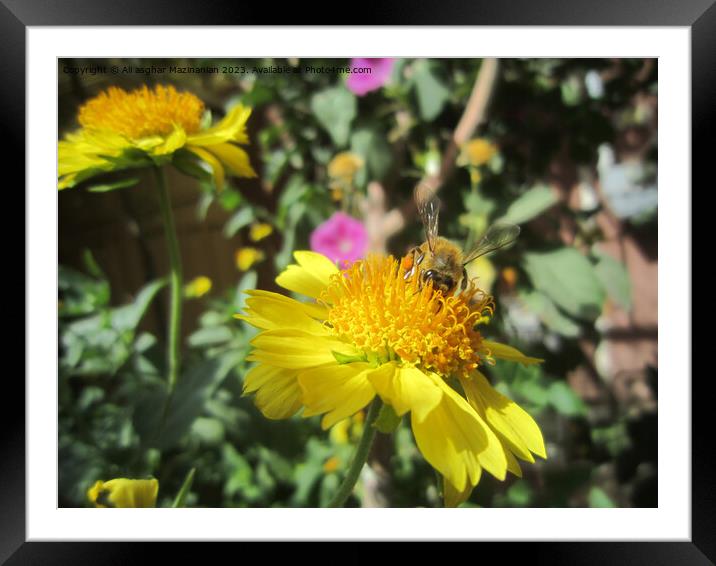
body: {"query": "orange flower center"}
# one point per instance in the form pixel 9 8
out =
pixel 375 308
pixel 143 112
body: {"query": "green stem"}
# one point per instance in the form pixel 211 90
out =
pixel 360 456
pixel 175 279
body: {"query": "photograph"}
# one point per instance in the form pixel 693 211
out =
pixel 355 282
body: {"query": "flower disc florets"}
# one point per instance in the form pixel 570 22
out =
pixel 374 307
pixel 142 112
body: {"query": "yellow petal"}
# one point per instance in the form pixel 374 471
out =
pixel 231 128
pixel 169 144
pixel 515 425
pixel 246 257
pixel 122 492
pixel 452 497
pixel 310 277
pixel 340 391
pixel 216 167
pixel 505 352
pixel 313 310
pixel 278 395
pixel 235 159
pixel 273 311
pixel 457 442
pixel 294 349
pixel 260 230
pixel 406 389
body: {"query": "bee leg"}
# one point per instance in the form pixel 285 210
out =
pixel 409 273
pixel 463 284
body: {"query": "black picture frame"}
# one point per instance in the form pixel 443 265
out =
pixel 698 15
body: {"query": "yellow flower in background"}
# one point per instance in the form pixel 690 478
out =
pixel 332 464
pixel 348 430
pixel 476 152
pixel 197 287
pixel 336 193
pixel 370 332
pixel 484 271
pixel 247 257
pixel 259 231
pixel 124 492
pixel 120 130
pixel 344 166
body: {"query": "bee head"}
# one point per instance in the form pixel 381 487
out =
pixel 441 281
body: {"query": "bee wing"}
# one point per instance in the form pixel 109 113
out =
pixel 428 205
pixel 497 236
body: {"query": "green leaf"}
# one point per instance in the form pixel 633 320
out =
pixel 345 359
pixel 127 317
pixel 565 400
pixel 189 164
pixel 335 109
pixel 478 204
pixel 180 499
pixel 243 217
pixel 193 389
pixel 210 336
pixel 598 498
pixel 387 420
pixel 615 278
pixel 569 279
pixel 106 187
pixel 370 144
pixel 530 205
pixel 550 315
pixel 432 93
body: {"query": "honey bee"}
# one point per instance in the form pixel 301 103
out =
pixel 441 261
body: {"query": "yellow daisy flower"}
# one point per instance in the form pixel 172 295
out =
pixel 123 492
pixel 259 231
pixel 476 152
pixel 197 287
pixel 121 130
pixel 371 333
pixel 344 166
pixel 246 257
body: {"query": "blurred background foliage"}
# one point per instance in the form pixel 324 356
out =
pixel 575 167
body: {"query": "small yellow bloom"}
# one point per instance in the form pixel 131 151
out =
pixel 145 127
pixel 476 152
pixel 348 430
pixel 509 276
pixel 372 332
pixel 331 465
pixel 197 287
pixel 336 193
pixel 259 231
pixel 484 271
pixel 344 166
pixel 247 257
pixel 124 492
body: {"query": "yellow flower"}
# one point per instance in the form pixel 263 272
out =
pixel 348 430
pixel 246 257
pixel 332 464
pixel 476 152
pixel 259 231
pixel 197 287
pixel 123 492
pixel 344 166
pixel 370 332
pixel 484 271
pixel 121 130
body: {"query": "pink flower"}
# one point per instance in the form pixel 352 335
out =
pixel 375 73
pixel 340 238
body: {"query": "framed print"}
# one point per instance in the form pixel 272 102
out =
pixel 295 284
